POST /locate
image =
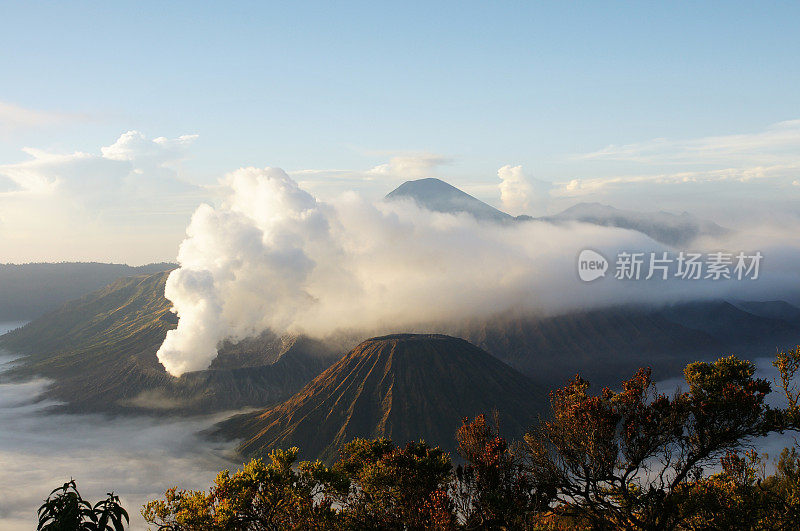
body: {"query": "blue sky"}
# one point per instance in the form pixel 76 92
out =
pixel 348 86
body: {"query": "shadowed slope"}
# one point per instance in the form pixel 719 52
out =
pixel 404 387
pixel 604 344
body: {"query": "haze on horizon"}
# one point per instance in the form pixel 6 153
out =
pixel 117 121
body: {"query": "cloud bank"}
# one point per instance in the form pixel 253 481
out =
pixel 515 190
pixel 409 166
pixel 271 256
pixel 521 194
pixel 124 203
pixel 747 175
pixel 138 458
pixel 777 144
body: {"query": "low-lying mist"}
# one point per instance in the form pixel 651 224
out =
pixel 272 257
pixel 136 457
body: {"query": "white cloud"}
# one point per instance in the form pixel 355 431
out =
pixel 374 182
pixel 520 194
pixel 14 118
pixel 134 146
pixel 98 205
pixel 778 144
pixel 410 166
pixel 778 174
pixel 124 164
pixel 515 190
pixel 744 174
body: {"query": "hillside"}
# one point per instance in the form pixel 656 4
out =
pixel 604 345
pixel 100 351
pixel 27 291
pixel 403 387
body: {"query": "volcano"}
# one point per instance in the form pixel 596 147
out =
pixel 403 387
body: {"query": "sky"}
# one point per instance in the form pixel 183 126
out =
pixel 118 119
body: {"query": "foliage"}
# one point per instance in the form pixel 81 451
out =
pixel 375 485
pixel 741 497
pixel 493 489
pixel 262 496
pixel 66 510
pixel 788 363
pixel 396 488
pixel 620 459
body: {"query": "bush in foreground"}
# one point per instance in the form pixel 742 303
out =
pixel 66 510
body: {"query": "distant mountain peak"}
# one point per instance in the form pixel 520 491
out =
pixel 428 185
pixel 427 182
pixel 439 196
pixel 664 227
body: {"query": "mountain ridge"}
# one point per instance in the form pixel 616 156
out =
pixel 28 291
pixel 664 227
